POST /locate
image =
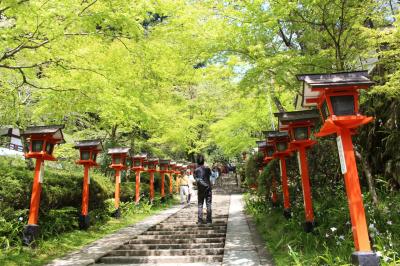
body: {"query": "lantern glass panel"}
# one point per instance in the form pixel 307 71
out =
pixel 137 162
pixel 49 148
pixel 270 152
pixel 281 146
pixel 301 133
pixel 343 105
pixel 117 160
pixel 94 156
pixel 85 155
pixel 37 145
pixel 325 110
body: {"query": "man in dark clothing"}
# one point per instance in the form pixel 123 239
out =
pixel 204 192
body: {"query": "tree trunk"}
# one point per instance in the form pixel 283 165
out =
pixel 114 132
pixel 367 171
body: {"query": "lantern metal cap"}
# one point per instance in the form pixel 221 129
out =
pixel 336 79
pixel 172 163
pixel 54 130
pixel 119 150
pixel 297 116
pixel 95 143
pixel 313 83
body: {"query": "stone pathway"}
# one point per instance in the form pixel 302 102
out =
pixel 173 238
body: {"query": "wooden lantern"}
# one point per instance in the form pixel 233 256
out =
pixel 41 141
pixel 151 169
pixel 138 163
pixel 337 98
pixel 280 141
pixel 88 150
pixel 299 124
pixel 118 157
pixel 164 168
pixel 171 171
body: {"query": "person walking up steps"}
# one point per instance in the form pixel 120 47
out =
pixel 204 191
pixel 184 188
pixel 190 183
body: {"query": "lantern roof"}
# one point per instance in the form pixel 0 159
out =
pixel 261 143
pixel 54 130
pixel 164 161
pixel 119 150
pixel 297 116
pixel 95 143
pixel 172 163
pixel 313 83
pixel 276 134
pixel 152 160
pixel 140 156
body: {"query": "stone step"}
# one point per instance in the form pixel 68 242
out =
pixel 166 252
pixel 171 246
pixel 193 223
pixel 181 236
pixel 184 231
pixel 189 226
pixel 177 241
pixel 161 259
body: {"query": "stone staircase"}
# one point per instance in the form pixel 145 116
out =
pixel 227 184
pixel 178 240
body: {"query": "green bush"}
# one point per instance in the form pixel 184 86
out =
pixel 60 203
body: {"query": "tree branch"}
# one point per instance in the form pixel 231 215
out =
pixel 19 48
pixel 23 67
pixel 88 6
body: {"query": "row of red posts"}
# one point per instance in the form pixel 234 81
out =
pixel 42 139
pixel 335 99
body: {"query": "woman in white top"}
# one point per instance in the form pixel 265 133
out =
pixel 191 181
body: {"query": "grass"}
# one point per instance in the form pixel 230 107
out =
pixel 62 244
pixel 331 242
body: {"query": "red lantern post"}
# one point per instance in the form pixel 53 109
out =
pixel 178 169
pixel 88 150
pixel 164 164
pixel 268 157
pixel 299 124
pixel 171 171
pixel 118 156
pixel 151 169
pixel 138 166
pixel 42 140
pixel 262 148
pixel 280 140
pixel 336 96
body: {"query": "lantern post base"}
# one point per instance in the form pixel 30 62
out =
pixel 30 233
pixel 163 199
pixel 287 213
pixel 365 258
pixel 84 222
pixel 309 226
pixel 117 213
